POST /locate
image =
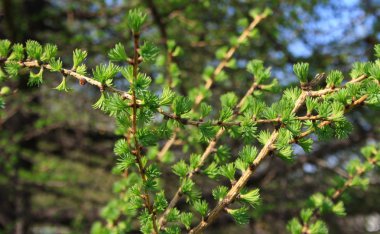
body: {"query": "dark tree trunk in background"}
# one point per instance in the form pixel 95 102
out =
pixel 16 206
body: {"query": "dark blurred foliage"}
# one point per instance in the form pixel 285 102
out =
pixel 56 152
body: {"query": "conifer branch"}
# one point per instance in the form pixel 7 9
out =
pixel 355 103
pixel 79 77
pixel 265 151
pixel 197 123
pixel 198 99
pixel 185 121
pixel 137 146
pixel 235 189
pixel 209 149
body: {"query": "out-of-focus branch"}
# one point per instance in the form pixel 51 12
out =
pixel 217 71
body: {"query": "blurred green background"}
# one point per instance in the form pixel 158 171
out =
pixel 56 152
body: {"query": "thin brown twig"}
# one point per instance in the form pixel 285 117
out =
pixel 74 74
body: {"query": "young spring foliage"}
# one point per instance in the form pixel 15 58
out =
pixel 146 116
